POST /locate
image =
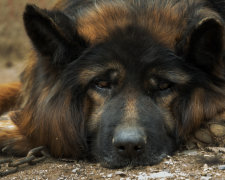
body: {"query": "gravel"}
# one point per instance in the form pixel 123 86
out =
pixel 193 164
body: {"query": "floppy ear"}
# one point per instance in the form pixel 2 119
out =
pixel 206 44
pixel 53 34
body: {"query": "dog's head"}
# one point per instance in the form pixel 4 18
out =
pixel 135 84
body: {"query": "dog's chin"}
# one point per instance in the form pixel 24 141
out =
pixel 115 162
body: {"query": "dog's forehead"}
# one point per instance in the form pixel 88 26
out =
pixel 161 20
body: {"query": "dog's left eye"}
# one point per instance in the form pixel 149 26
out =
pixel 102 84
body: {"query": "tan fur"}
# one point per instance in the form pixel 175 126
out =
pixel 85 75
pixel 97 23
pixel 96 102
pixel 130 110
pixel 165 103
pixel 204 106
pixel 12 141
pixel 9 94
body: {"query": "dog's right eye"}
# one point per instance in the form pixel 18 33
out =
pixel 103 84
pixel 162 86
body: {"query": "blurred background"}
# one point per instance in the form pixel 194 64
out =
pixel 14 43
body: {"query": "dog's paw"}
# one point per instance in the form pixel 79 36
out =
pixel 11 140
pixel 211 134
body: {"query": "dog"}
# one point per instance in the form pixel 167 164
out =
pixel 122 82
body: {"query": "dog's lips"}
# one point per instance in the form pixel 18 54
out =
pixel 110 160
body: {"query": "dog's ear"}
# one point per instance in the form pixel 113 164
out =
pixel 53 34
pixel 205 47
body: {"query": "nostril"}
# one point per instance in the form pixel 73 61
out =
pixel 128 148
pixel 121 148
pixel 138 148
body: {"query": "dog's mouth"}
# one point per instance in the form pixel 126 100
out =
pixel 132 163
pixel 113 161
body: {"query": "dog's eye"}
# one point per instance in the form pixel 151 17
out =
pixel 102 84
pixel 164 86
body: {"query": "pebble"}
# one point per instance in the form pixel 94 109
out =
pixel 120 173
pixel 182 174
pixel 205 178
pixel 205 167
pixel 189 152
pixel 170 162
pixel 109 175
pixel 221 167
pixel 216 149
pixel 162 174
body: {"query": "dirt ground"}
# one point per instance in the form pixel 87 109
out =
pixel 192 164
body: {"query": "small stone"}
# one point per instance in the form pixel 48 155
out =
pixel 162 174
pixel 221 167
pixel 207 155
pixel 189 152
pixel 75 170
pixel 120 173
pixel 216 149
pixel 170 162
pixel 109 175
pixel 205 178
pixel 205 167
pixel 204 136
pixel 217 129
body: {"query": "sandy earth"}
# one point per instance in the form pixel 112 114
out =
pixel 184 165
pixel 192 164
pixel 9 71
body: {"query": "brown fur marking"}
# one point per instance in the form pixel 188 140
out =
pixel 9 94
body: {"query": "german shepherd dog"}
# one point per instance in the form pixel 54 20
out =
pixel 124 82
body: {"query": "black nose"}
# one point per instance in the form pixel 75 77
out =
pixel 129 142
